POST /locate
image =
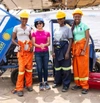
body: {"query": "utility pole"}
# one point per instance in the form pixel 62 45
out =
pixel 41 4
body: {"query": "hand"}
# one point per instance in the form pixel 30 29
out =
pixel 83 52
pixel 42 46
pixel 67 56
pixel 53 55
pixel 31 49
pixel 19 48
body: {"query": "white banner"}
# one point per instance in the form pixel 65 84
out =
pixel 90 17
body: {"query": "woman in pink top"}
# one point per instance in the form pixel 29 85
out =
pixel 41 41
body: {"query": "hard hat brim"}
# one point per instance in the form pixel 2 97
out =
pixel 77 13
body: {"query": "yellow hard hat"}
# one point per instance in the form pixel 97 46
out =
pixel 77 11
pixel 24 14
pixel 60 14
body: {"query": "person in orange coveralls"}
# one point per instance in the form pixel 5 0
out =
pixel 80 50
pixel 25 54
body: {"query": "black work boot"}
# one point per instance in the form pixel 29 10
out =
pixel 76 87
pixel 20 93
pixel 84 91
pixel 56 85
pixel 65 88
pixel 29 89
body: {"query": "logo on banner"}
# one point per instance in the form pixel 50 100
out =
pixel 6 36
pixel 1 46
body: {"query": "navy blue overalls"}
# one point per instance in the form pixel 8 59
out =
pixel 62 66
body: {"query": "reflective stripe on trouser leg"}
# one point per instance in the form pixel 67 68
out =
pixel 22 61
pixel 75 71
pixel 21 72
pixel 57 69
pixel 81 70
pixel 28 77
pixel 20 81
pixel 58 75
pixel 81 79
pixel 28 71
pixel 66 77
pixel 66 68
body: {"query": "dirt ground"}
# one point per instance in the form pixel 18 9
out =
pixel 47 96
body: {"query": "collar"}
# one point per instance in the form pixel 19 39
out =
pixel 79 24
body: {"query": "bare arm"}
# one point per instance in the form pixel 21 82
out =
pixel 42 46
pixel 69 46
pixel 13 39
pixel 36 45
pixel 48 42
pixel 87 39
pixel 30 37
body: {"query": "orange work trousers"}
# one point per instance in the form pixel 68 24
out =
pixel 25 58
pixel 80 64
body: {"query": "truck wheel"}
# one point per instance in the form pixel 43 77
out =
pixel 14 75
pixel 97 67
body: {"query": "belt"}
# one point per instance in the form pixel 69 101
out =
pixel 64 40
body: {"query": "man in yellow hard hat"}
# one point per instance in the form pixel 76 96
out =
pixel 62 53
pixel 80 50
pixel 25 54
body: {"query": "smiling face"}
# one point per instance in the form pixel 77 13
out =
pixel 39 25
pixel 24 21
pixel 77 18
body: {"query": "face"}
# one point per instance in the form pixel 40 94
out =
pixel 24 20
pixel 39 25
pixel 77 18
pixel 61 21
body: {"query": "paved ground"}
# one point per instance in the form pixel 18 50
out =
pixel 47 96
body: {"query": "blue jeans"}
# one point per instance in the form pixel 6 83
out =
pixel 42 59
